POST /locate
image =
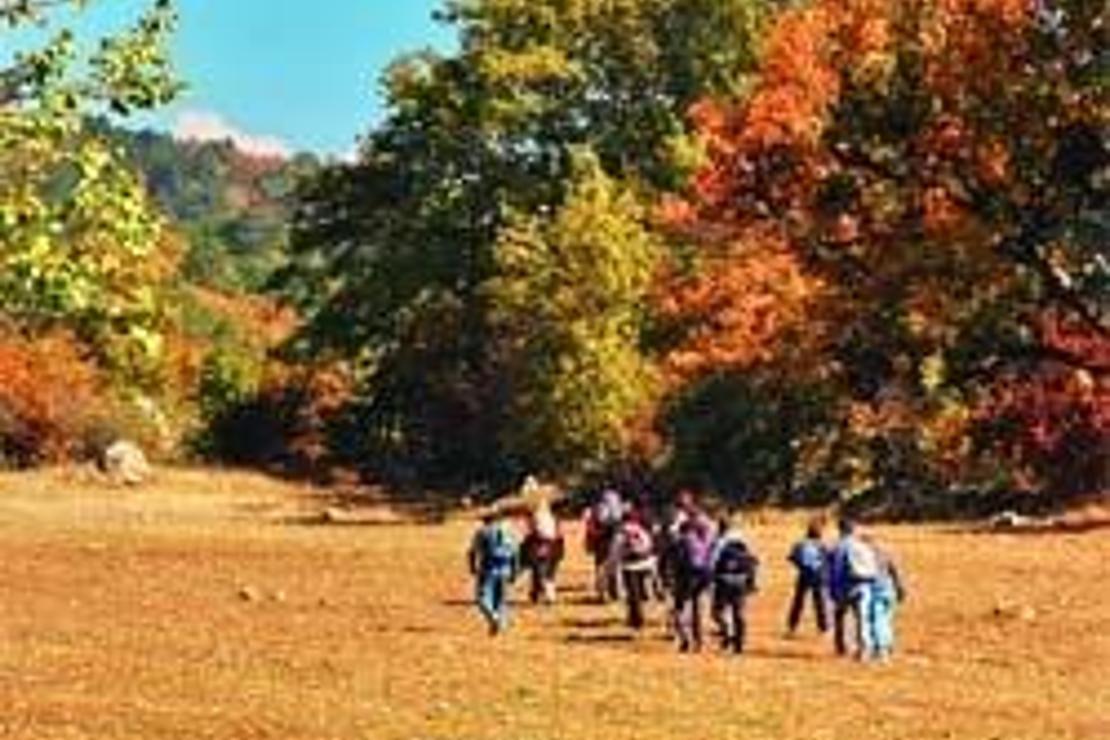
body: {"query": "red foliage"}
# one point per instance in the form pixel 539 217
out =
pixel 1056 420
pixel 1057 424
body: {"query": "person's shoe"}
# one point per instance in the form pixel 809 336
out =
pixel 498 626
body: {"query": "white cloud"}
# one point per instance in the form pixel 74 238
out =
pixel 208 126
pixel 351 156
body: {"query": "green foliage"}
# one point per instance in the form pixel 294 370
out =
pixel 79 241
pixel 232 208
pixel 568 302
pixel 752 439
pixel 228 377
pixel 615 76
pixel 394 256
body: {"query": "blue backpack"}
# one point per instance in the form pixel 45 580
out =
pixel 809 557
pixel 498 550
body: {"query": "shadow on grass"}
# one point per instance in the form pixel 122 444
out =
pixel 1037 528
pixel 592 623
pixel 605 638
pixel 322 519
pixel 457 603
pixel 515 603
pixel 418 629
pixel 368 507
pixel 769 653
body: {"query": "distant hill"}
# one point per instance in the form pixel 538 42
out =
pixel 232 208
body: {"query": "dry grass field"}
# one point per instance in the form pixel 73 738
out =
pixel 205 606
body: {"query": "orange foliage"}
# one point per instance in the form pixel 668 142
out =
pixel 979 35
pixel 992 160
pixel 765 163
pixel 263 323
pixel 810 53
pixel 1056 419
pixel 262 319
pixel 768 162
pixel 287 422
pixel 49 392
pixel 941 214
pixel 742 303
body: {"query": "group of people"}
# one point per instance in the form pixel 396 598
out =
pixel 686 559
pixel 690 561
pixel 860 579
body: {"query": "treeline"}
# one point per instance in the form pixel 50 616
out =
pixel 836 250
pixel 231 208
pixel 842 249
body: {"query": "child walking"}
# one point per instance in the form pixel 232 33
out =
pixel 734 568
pixel 887 592
pixel 853 569
pixel 541 553
pixel 693 577
pixel 635 552
pixel 494 561
pixel 810 561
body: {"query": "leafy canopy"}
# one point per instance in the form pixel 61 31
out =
pixel 80 245
pixel 396 254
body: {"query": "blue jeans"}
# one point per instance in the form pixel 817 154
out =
pixel 881 619
pixel 492 599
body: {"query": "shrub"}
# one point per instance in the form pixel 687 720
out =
pixel 50 396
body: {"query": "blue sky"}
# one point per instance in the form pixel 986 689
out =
pixel 286 74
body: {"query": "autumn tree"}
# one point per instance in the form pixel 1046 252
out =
pixel 937 170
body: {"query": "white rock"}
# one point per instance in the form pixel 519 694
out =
pixel 125 462
pixel 1009 520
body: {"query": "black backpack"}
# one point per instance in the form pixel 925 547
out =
pixel 736 566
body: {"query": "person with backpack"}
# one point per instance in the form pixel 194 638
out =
pixel 493 559
pixel 603 520
pixel 810 560
pixel 693 577
pixel 542 552
pixel 853 568
pixel 734 567
pixel 635 552
pixel 887 592
pixel 666 544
